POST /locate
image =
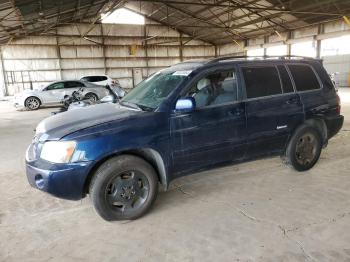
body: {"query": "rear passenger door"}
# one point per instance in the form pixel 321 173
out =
pixel 308 86
pixel 273 108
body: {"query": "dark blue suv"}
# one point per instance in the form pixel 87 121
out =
pixel 189 117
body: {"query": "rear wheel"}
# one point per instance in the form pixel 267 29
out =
pixel 304 148
pixel 32 103
pixel 124 187
pixel 91 96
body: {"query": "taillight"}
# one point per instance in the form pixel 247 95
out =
pixel 338 104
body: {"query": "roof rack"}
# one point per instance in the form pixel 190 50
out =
pixel 223 58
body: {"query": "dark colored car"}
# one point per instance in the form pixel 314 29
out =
pixel 186 118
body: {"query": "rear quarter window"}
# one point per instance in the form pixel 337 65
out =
pixel 92 78
pixel 304 77
pixel 261 81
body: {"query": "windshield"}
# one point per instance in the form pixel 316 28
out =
pixel 151 92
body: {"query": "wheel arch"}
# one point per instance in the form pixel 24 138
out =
pixel 317 123
pixel 34 97
pixel 321 127
pixel 92 93
pixel 148 154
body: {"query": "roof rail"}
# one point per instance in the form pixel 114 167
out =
pixel 223 58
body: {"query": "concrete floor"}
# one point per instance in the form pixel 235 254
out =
pixel 256 211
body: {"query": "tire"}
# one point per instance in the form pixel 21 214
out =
pixel 32 103
pixel 123 188
pixel 304 148
pixel 91 96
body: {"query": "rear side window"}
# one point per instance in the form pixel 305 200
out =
pixel 93 78
pixel 73 84
pixel 261 81
pixel 287 85
pixel 304 77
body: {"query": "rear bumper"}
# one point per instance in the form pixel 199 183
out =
pixel 64 180
pixel 334 124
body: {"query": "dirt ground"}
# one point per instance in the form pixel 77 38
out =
pixel 255 211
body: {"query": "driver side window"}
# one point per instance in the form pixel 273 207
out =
pixel 56 86
pixel 214 89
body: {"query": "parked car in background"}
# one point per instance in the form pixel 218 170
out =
pixel 101 80
pixel 116 93
pixel 187 118
pixel 54 93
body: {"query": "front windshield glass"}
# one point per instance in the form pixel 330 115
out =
pixel 148 94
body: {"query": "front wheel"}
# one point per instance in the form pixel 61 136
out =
pixel 32 103
pixel 304 148
pixel 91 96
pixel 123 188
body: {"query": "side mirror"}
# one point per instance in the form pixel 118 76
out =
pixel 187 104
pixel 107 99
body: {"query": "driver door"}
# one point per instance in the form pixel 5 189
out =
pixel 215 131
pixel 53 94
pixel 71 86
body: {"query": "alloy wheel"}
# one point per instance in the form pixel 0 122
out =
pixel 32 103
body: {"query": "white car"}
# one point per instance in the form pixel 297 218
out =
pixel 101 80
pixel 54 93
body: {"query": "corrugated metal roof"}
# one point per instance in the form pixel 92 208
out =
pixel 214 21
pixel 222 21
pixel 19 18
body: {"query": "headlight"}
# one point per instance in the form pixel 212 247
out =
pixel 58 151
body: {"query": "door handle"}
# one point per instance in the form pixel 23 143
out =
pixel 292 101
pixel 237 111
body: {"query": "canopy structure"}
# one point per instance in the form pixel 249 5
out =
pixel 214 21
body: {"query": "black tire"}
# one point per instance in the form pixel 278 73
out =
pixel 32 103
pixel 304 148
pixel 123 188
pixel 91 96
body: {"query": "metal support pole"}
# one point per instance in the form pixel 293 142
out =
pixel 318 42
pixel 104 51
pixel 146 48
pixel 289 46
pixel 266 40
pixel 181 48
pixel 3 82
pixel 58 55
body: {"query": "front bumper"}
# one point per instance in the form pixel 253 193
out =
pixel 65 181
pixel 334 124
pixel 18 101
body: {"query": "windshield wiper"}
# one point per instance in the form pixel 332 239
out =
pixel 131 105
pixel 145 108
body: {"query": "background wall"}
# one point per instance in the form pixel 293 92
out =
pixel 113 49
pixel 122 51
pixel 341 66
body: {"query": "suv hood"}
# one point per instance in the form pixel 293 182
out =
pixel 62 124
